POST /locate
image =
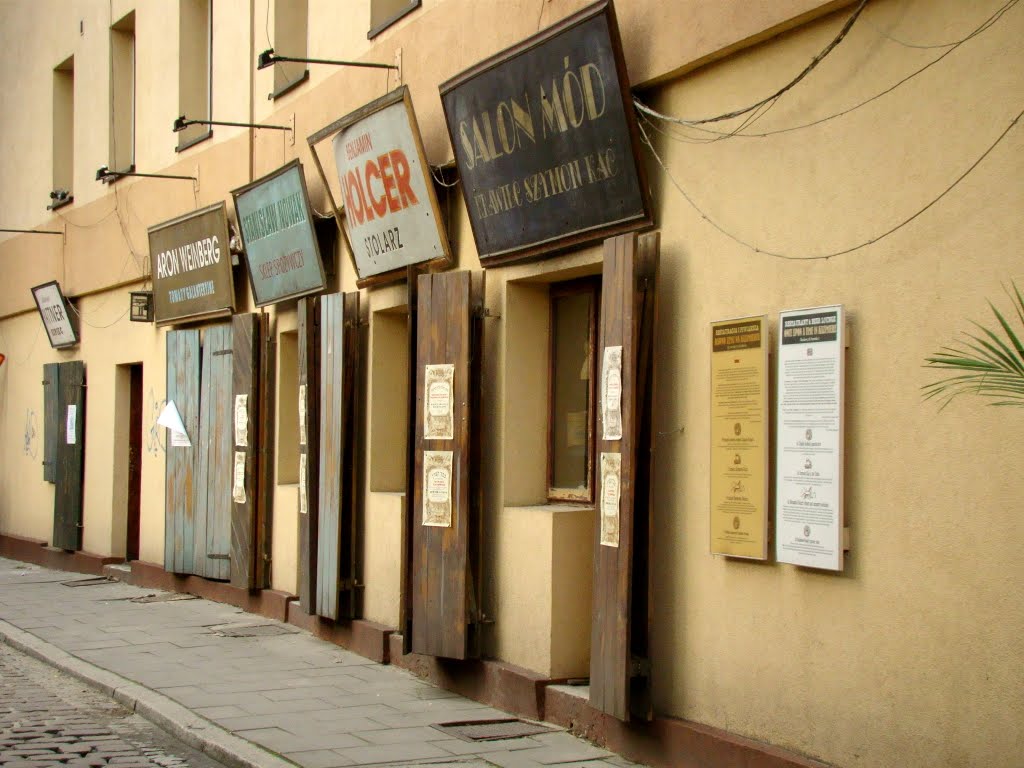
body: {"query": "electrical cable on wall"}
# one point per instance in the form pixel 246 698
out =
pixel 844 251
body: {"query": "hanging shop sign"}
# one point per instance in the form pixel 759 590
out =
pixel 60 322
pixel 739 438
pixel 809 449
pixel 546 142
pixel 277 233
pixel 391 216
pixel 191 266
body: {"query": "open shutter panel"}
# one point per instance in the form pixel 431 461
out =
pixel 309 449
pixel 446 532
pixel 182 390
pixel 214 460
pixel 67 497
pixel 51 419
pixel 619 656
pixel 245 330
pixel 336 544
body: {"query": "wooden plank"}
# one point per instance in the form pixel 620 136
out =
pixel 309 383
pixel 219 410
pixel 619 656
pixel 67 497
pixel 445 597
pixel 265 465
pixel 328 533
pixel 245 339
pixel 179 495
pixel 51 419
pixel 348 521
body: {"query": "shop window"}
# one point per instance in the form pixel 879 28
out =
pixel 288 408
pixel 291 19
pixel 573 307
pixel 384 13
pixel 389 385
pixel 63 132
pixel 195 57
pixel 122 93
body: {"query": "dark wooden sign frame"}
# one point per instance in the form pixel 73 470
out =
pixel 66 306
pixel 476 85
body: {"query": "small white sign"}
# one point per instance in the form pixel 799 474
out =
pixel 241 420
pixel 238 488
pixel 611 484
pixel 303 500
pixel 72 423
pixel 611 393
pixel 302 414
pixel 170 418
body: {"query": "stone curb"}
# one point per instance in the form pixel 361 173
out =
pixel 198 732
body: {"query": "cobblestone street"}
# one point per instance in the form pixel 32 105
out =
pixel 50 719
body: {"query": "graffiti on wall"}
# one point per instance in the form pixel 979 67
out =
pixel 31 444
pixel 155 437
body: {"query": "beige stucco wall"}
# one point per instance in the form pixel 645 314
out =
pixel 910 657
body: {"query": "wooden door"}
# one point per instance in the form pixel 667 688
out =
pixel 134 463
pixel 214 470
pixel 183 362
pixel 620 634
pixel 70 457
pixel 309 448
pixel 336 525
pixel 446 504
pixel 51 419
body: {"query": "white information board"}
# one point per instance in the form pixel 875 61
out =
pixel 809 446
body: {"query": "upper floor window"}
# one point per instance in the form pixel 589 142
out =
pixel 122 93
pixel 195 59
pixel 384 13
pixel 63 133
pixel 291 21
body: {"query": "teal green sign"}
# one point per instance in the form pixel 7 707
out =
pixel 277 230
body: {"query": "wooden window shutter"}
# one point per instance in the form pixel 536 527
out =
pixel 619 654
pixel 446 558
pixel 309 405
pixel 51 419
pixel 70 457
pixel 336 526
pixel 182 390
pixel 246 331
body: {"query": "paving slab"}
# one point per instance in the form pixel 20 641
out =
pixel 270 701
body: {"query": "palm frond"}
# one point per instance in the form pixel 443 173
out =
pixel 989 364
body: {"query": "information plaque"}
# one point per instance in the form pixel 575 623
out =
pixel 61 325
pixel 809 448
pixel 739 438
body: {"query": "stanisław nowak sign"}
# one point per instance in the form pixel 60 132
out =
pixel 545 140
pixel 191 266
pixel 391 213
pixel 60 322
pixel 277 231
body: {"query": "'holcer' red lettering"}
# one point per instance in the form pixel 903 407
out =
pixel 381 185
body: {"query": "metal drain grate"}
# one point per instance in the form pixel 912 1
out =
pixel 91 582
pixel 252 630
pixel 491 730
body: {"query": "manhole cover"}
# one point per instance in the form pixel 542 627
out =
pixel 93 582
pixel 252 630
pixel 164 597
pixel 491 730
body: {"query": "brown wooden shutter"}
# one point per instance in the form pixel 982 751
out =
pixel 336 526
pixel 51 419
pixel 67 497
pixel 309 377
pixel 183 390
pixel 245 331
pixel 445 560
pixel 619 648
pixel 214 458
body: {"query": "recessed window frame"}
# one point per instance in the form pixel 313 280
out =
pixel 186 138
pixel 592 287
pixel 63 145
pixel 122 92
pixel 387 21
pixel 288 43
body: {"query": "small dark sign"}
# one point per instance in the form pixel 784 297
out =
pixel 280 242
pixel 191 266
pixel 61 324
pixel 546 141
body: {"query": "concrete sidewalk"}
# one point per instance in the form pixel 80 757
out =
pixel 248 690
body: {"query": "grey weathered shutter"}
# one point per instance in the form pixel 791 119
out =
pixel 182 390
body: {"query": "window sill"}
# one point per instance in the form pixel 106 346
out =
pixel 193 142
pixel 55 205
pixel 553 507
pixel 288 87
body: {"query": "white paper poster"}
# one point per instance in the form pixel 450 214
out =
pixel 439 405
pixel 71 425
pixel 241 420
pixel 302 414
pixel 437 488
pixel 809 449
pixel 303 501
pixel 238 488
pixel 611 393
pixel 170 418
pixel 611 481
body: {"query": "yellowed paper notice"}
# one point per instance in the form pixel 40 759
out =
pixel 302 414
pixel 439 402
pixel 611 393
pixel 303 501
pixel 611 481
pixel 241 420
pixel 437 488
pixel 238 488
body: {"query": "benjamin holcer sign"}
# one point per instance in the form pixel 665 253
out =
pixel 277 230
pixel 545 140
pixel 191 266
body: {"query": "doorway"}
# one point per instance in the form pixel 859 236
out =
pixel 134 511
